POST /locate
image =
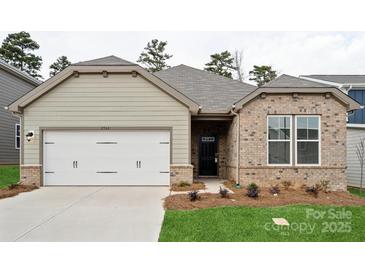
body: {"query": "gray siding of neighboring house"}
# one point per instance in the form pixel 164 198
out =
pixel 353 167
pixel 11 88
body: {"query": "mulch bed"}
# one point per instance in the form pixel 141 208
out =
pixel 194 186
pixel 265 199
pixel 15 190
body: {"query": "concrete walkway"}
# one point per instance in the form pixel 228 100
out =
pixel 83 214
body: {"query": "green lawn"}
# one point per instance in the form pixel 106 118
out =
pixel 8 175
pixel 226 224
pixel 356 191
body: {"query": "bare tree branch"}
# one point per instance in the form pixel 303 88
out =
pixel 238 58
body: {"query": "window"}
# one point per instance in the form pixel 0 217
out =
pixel 307 140
pixel 279 140
pixel 17 136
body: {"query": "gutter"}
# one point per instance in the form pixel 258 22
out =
pixel 238 185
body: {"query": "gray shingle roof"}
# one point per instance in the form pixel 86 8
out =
pixel 215 93
pixel 341 79
pixel 19 73
pixel 105 61
pixel 287 81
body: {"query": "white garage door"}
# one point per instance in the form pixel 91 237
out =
pixel 106 157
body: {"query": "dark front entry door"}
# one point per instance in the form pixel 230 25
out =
pixel 208 156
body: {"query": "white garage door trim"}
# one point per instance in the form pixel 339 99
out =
pixel 106 157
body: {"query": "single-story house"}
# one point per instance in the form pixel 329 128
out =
pixel 354 86
pixel 13 84
pixel 110 122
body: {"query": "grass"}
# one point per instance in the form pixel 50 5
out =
pixel 8 175
pixel 356 191
pixel 248 224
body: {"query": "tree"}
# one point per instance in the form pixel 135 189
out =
pixel 221 63
pixel 17 50
pixel 154 56
pixel 262 74
pixel 238 58
pixel 59 65
pixel 360 152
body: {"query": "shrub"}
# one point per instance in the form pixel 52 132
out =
pixel 314 190
pixel 253 190
pixel 275 189
pixel 223 192
pixel 12 186
pixel 286 184
pixel 183 184
pixel 324 185
pixel 193 195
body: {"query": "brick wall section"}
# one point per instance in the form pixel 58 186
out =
pixel 231 150
pixel 181 173
pixel 209 128
pixel 253 134
pixel 30 175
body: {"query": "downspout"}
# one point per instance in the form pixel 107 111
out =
pixel 238 185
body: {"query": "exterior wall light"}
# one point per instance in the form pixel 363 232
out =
pixel 29 136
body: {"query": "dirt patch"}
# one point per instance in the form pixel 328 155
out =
pixel 188 187
pixel 265 199
pixel 14 190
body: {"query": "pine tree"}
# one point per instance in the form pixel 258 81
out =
pixel 17 50
pixel 154 56
pixel 60 64
pixel 221 63
pixel 262 74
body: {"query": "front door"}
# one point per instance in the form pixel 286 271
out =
pixel 208 156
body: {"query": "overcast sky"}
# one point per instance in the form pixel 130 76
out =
pixel 292 53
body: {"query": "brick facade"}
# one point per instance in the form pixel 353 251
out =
pixel 30 175
pixel 253 140
pixel 181 173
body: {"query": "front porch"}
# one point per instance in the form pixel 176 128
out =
pixel 211 147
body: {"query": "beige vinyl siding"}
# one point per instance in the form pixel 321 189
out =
pixel 119 100
pixel 353 167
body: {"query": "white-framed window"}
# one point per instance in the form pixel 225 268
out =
pixel 17 136
pixel 307 140
pixel 279 140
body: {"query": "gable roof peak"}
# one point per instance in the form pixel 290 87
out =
pixel 110 60
pixel 289 81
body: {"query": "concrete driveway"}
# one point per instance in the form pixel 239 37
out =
pixel 83 214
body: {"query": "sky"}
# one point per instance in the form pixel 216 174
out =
pixel 293 53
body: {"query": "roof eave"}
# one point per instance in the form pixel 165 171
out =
pixel 350 103
pixel 29 79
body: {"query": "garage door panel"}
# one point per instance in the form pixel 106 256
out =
pixel 106 157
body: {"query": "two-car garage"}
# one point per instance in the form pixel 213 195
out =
pixel 105 122
pixel 106 157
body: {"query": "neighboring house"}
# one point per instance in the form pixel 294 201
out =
pixel 13 84
pixel 110 122
pixel 354 86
